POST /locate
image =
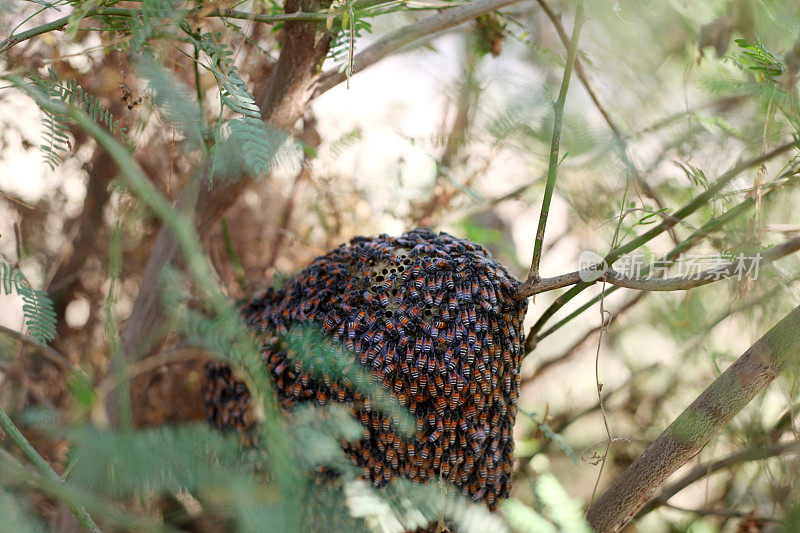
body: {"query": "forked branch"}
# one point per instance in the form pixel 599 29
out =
pixel 555 145
pixel 676 283
pixel 424 28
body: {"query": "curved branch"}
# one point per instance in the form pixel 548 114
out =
pixel 752 453
pixel 682 213
pixel 49 353
pixel 677 283
pixel 425 28
pixel 702 420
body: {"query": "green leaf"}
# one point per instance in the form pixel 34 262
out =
pixel 175 101
pixel 37 307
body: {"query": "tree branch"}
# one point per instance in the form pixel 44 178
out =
pixel 752 453
pixel 670 221
pixel 701 421
pixel 282 99
pixel 58 24
pixel 426 28
pixel 555 145
pixel 678 283
pixel 44 469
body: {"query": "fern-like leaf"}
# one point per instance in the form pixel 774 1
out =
pixel 175 101
pixel 247 137
pixel 37 307
pixel 55 132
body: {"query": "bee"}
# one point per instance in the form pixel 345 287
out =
pixel 440 404
pixel 431 365
pixel 403 320
pixel 428 299
pixel 427 345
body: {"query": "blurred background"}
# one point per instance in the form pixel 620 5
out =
pixel 454 134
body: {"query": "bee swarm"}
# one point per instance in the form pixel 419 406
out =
pixel 435 319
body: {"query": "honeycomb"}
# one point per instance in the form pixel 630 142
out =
pixel 435 319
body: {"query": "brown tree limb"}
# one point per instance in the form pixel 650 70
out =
pixel 425 28
pixel 49 353
pixel 282 99
pixel 701 421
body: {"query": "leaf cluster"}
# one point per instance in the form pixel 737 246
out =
pixel 37 307
pixel 55 131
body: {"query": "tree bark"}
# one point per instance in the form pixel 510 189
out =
pixel 282 97
pixel 702 420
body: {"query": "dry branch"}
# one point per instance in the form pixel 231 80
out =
pixel 425 28
pixel 701 421
pixel 677 283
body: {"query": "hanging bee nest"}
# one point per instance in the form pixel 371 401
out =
pixel 436 320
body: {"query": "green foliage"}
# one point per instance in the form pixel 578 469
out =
pixel 78 14
pixel 175 102
pixel 764 65
pixel 55 131
pixel 695 174
pixel 555 510
pixel 14 516
pixel 246 137
pixel 158 17
pixel 164 459
pixel 37 307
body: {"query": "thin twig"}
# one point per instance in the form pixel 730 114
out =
pixel 679 215
pixel 555 144
pixel 751 453
pixel 619 138
pixel 698 424
pixel 110 381
pixel 44 468
pixel 425 28
pixel 49 353
pixel 600 399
